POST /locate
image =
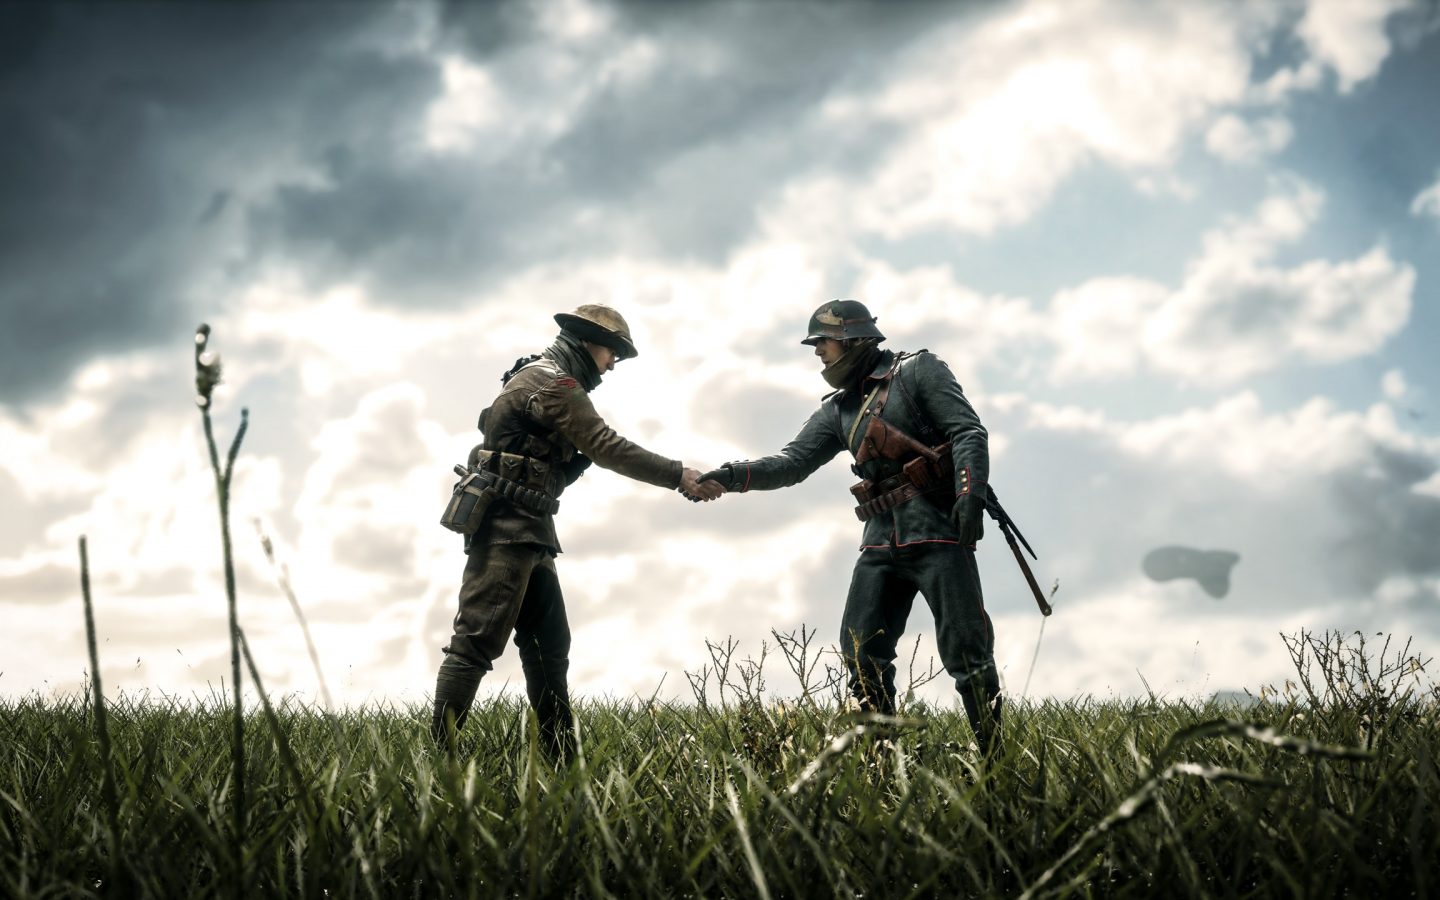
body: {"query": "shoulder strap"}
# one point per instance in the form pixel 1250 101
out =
pixel 879 394
pixel 850 438
pixel 521 363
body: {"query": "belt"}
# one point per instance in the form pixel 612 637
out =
pixel 900 490
pixel 526 498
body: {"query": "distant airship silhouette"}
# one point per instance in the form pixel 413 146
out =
pixel 1209 568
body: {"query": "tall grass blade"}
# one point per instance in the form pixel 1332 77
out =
pixel 1039 638
pixel 282 577
pixel 102 726
pixel 757 872
pixel 1263 734
pixel 282 743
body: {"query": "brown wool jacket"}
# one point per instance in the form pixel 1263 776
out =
pixel 543 413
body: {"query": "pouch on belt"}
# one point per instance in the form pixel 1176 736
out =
pixel 470 502
pixel 537 476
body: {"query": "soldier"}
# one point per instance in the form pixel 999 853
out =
pixel 924 458
pixel 540 434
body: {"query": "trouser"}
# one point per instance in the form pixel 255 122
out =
pixel 882 590
pixel 509 589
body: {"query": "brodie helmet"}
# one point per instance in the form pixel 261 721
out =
pixel 602 325
pixel 841 320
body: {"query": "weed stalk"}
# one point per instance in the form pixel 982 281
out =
pixel 102 727
pixel 207 376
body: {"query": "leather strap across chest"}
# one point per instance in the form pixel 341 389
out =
pixel 874 402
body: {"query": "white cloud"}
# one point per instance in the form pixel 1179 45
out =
pixel 1280 487
pixel 1095 325
pixel 1237 313
pixel 1235 140
pixel 365 408
pixel 1349 36
pixel 1427 202
pixel 520 100
pixel 1308 75
pixel 1394 386
pixel 928 307
pixel 990 119
pixel 1233 320
pixel 378 577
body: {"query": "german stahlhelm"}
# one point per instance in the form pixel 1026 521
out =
pixel 841 320
pixel 602 325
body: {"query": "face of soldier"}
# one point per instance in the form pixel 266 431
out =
pixel 829 350
pixel 604 357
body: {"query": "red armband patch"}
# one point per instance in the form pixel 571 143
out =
pixel 566 382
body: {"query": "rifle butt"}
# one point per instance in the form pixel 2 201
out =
pixel 1040 600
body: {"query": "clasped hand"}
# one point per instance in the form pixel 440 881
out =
pixel 697 490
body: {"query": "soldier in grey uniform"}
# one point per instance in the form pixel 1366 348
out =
pixel 540 434
pixel 924 460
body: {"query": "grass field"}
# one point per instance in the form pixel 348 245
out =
pixel 1326 786
pixel 1329 788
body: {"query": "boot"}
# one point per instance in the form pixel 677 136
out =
pixel 455 688
pixel 984 714
pixel 557 732
pixel 548 689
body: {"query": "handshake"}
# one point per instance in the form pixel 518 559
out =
pixel 699 488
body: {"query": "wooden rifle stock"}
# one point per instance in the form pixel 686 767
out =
pixel 1045 609
pixel 1014 538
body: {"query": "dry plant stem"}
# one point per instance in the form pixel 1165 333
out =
pixel 282 576
pixel 1035 657
pixel 207 376
pixel 222 489
pixel 282 743
pixel 917 681
pixel 102 728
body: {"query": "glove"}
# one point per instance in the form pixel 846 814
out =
pixel 575 468
pixel 725 476
pixel 968 514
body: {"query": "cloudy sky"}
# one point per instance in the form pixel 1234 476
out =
pixel 1182 257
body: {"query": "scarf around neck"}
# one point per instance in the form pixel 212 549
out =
pixel 569 351
pixel 853 365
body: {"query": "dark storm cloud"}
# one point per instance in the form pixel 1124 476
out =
pixel 1392 530
pixel 141 141
pixel 674 163
pixel 159 156
pixel 1300 550
pixel 129 129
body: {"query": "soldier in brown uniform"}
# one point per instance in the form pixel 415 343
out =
pixel 541 433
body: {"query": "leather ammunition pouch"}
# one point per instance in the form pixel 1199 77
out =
pixel 918 477
pixel 521 481
pixel 470 502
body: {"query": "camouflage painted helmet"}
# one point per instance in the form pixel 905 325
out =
pixel 842 320
pixel 602 325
